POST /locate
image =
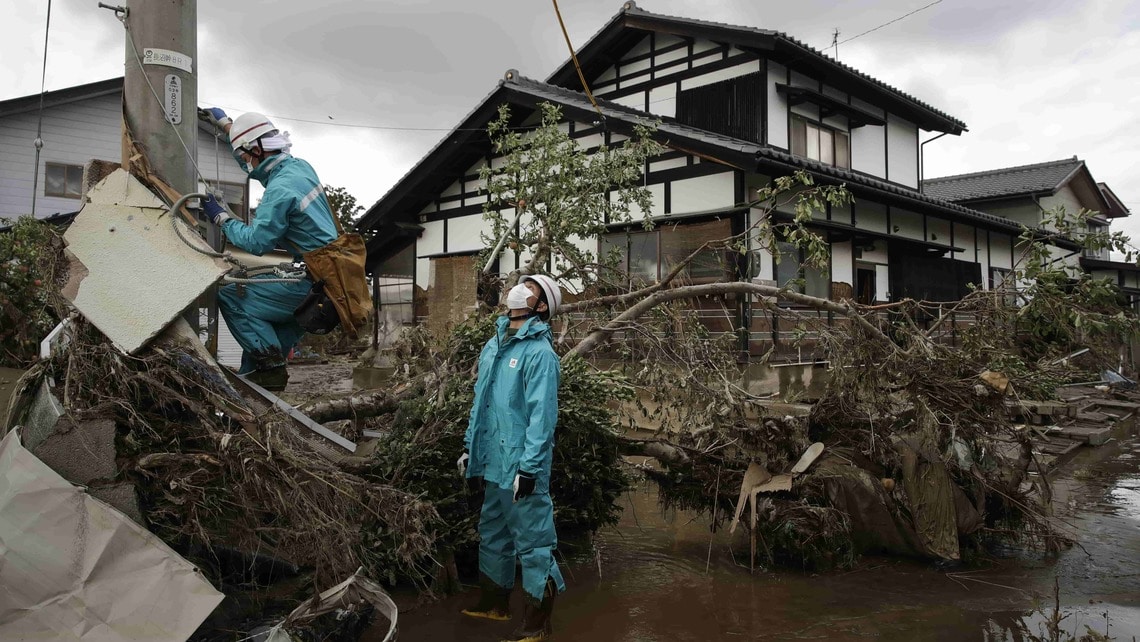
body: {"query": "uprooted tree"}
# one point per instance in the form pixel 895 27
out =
pixel 903 404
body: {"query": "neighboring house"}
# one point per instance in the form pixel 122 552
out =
pixel 738 106
pixel 1026 193
pixel 81 124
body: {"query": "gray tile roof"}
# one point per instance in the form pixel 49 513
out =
pixel 763 38
pixel 1002 183
pixel 749 154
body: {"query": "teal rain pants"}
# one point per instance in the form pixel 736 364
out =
pixel 522 530
pixel 261 320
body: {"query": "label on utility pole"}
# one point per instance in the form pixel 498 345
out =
pixel 172 99
pixel 168 58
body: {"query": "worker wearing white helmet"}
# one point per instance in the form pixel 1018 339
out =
pixel 293 214
pixel 510 446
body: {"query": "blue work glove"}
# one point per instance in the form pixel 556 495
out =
pixel 524 485
pixel 215 117
pixel 215 211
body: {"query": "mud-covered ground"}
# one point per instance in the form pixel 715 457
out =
pixel 659 577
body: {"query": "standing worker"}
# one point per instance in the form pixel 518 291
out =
pixel 293 214
pixel 510 444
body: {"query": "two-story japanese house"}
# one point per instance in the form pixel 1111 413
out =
pixel 737 106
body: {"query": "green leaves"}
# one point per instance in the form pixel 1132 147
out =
pixel 31 268
pixel 560 189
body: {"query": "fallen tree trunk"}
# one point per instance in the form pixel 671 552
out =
pixel 358 406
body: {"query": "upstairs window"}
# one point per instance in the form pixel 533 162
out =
pixel 65 181
pixel 729 107
pixel 821 143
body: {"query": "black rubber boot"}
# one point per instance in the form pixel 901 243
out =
pixel 536 620
pixel 494 602
pixel 272 379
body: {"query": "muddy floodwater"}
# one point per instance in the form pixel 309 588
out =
pixel 653 578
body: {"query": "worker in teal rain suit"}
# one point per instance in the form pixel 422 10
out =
pixel 510 443
pixel 293 214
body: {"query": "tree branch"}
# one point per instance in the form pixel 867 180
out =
pixel 598 336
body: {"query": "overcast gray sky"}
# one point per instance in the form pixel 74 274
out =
pixel 1033 80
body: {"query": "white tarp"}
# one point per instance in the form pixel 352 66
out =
pixel 73 568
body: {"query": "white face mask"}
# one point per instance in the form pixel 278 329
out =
pixel 517 297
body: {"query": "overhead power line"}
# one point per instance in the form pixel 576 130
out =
pixel 888 23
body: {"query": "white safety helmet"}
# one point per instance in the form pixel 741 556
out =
pixel 249 127
pixel 550 287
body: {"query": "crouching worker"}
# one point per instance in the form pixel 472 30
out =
pixel 510 443
pixel 293 214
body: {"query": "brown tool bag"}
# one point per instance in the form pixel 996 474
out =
pixel 337 271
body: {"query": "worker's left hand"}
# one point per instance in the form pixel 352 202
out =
pixel 524 485
pixel 215 211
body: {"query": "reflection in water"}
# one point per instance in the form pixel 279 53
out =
pixel 646 580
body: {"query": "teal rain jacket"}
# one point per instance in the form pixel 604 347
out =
pixel 516 406
pixel 293 212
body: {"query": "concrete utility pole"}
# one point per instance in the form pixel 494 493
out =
pixel 163 35
pixel 160 98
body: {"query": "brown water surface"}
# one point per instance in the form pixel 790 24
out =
pixel 653 578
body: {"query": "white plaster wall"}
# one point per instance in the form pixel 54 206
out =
pixel 703 193
pixel 1065 197
pixel 629 68
pixel 902 151
pixel 586 245
pixel 593 140
pixel 843 262
pixel 657 205
pixel 1024 212
pixel 777 107
pixel 882 283
pixel 870 215
pixel 1000 254
pixel 841 214
pixel 431 240
pixel 909 224
pixel 663 101
pixel 938 231
pixel 633 101
pixel 867 150
pixel 1066 259
pixel 673 163
pixel 964 238
pixel 464 233
pixel 664 41
pixel 744 68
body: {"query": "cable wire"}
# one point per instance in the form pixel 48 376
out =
pixel 574 59
pixel 905 15
pixel 38 143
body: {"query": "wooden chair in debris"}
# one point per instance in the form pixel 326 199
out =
pixel 758 481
